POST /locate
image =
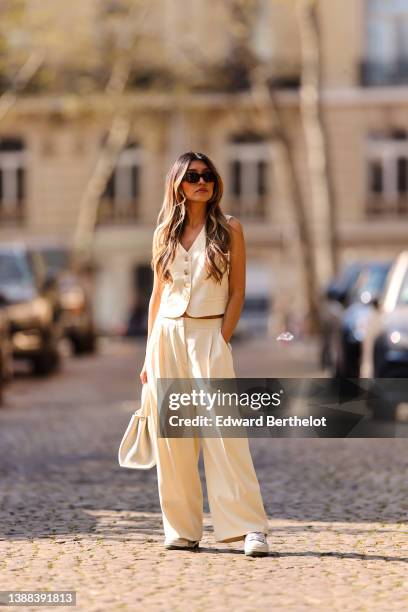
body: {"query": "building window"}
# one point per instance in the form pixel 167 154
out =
pixel 120 201
pixel 387 43
pixel 12 180
pixel 388 174
pixel 248 176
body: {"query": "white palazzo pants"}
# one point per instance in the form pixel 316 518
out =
pixel 195 348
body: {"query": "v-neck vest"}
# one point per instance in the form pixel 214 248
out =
pixel 190 291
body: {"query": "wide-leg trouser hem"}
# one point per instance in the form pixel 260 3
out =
pixel 237 538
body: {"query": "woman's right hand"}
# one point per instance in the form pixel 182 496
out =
pixel 143 375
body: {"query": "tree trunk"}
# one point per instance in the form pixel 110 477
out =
pixel 262 94
pixel 116 137
pixel 323 201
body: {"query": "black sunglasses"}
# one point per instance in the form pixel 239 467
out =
pixel 191 176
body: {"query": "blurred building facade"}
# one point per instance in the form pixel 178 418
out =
pixel 49 143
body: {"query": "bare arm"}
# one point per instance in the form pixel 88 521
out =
pixel 154 304
pixel 237 280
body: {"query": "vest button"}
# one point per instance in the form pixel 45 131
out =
pixel 185 271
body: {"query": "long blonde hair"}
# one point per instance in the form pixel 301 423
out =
pixel 173 216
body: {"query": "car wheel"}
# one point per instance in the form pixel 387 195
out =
pixel 46 363
pixel 49 360
pixel 85 344
pixel 385 408
pixel 7 369
pixel 351 368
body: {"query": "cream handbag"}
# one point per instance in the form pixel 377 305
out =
pixel 136 449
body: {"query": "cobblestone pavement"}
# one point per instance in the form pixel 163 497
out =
pixel 71 518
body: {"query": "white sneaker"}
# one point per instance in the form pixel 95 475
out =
pixel 181 544
pixel 256 544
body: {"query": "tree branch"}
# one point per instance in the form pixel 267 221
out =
pixel 21 80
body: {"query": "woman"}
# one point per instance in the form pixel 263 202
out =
pixel 198 292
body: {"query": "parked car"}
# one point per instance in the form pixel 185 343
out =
pixel 6 357
pixel 332 306
pixel 30 299
pixel 254 316
pixel 348 321
pixel 75 297
pixel 385 347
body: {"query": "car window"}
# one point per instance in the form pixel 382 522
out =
pixel 370 282
pixel 347 277
pixel 14 269
pixel 256 304
pixel 57 259
pixel 403 295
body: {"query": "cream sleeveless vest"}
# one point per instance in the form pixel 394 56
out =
pixel 190 291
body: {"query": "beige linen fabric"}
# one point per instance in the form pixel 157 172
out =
pixel 195 348
pixel 190 290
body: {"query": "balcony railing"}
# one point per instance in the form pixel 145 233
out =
pixel 377 74
pixel 112 212
pixel 379 205
pixel 249 208
pixel 12 215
